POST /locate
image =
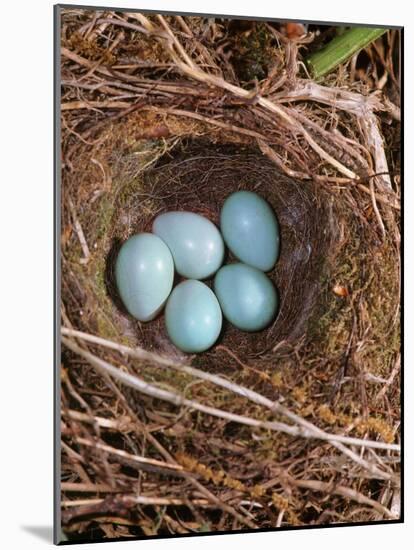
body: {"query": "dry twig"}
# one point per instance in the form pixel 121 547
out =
pixel 305 429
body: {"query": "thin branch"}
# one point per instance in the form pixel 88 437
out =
pixel 141 427
pixel 207 120
pixel 79 232
pixel 361 106
pixel 141 460
pixel 141 500
pixel 195 72
pixel 346 492
pixel 76 105
pixel 305 429
pixel 142 354
pixel 395 371
pixel 173 397
pixel 69 487
pixel 119 425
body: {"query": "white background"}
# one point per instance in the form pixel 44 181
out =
pixel 26 270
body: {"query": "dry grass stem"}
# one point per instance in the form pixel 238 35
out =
pixel 306 429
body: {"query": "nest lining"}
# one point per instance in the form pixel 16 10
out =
pixel 197 176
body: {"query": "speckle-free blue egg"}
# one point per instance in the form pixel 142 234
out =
pixel 144 273
pixel 195 243
pixel 247 296
pixel 250 229
pixel 193 316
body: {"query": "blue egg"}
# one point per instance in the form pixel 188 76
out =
pixel 250 229
pixel 193 316
pixel 247 296
pixel 144 273
pixel 195 243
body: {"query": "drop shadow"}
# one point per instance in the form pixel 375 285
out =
pixel 42 532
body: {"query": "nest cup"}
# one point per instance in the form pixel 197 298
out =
pixel 197 176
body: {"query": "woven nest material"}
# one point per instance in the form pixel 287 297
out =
pixel 264 429
pixel 197 176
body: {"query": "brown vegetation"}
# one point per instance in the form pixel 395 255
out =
pixel 298 424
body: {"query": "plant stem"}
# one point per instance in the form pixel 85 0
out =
pixel 340 49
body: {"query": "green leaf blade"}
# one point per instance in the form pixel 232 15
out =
pixel 340 49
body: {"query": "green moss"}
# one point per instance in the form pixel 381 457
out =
pixel 104 216
pixel 364 317
pixel 98 269
pixel 253 54
pixel 106 329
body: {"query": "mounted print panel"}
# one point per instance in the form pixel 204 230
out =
pixel 228 274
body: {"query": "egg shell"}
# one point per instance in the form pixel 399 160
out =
pixel 144 274
pixel 246 295
pixel 195 243
pixel 193 316
pixel 250 229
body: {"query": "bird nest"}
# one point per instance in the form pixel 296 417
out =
pixel 295 425
pixel 197 176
